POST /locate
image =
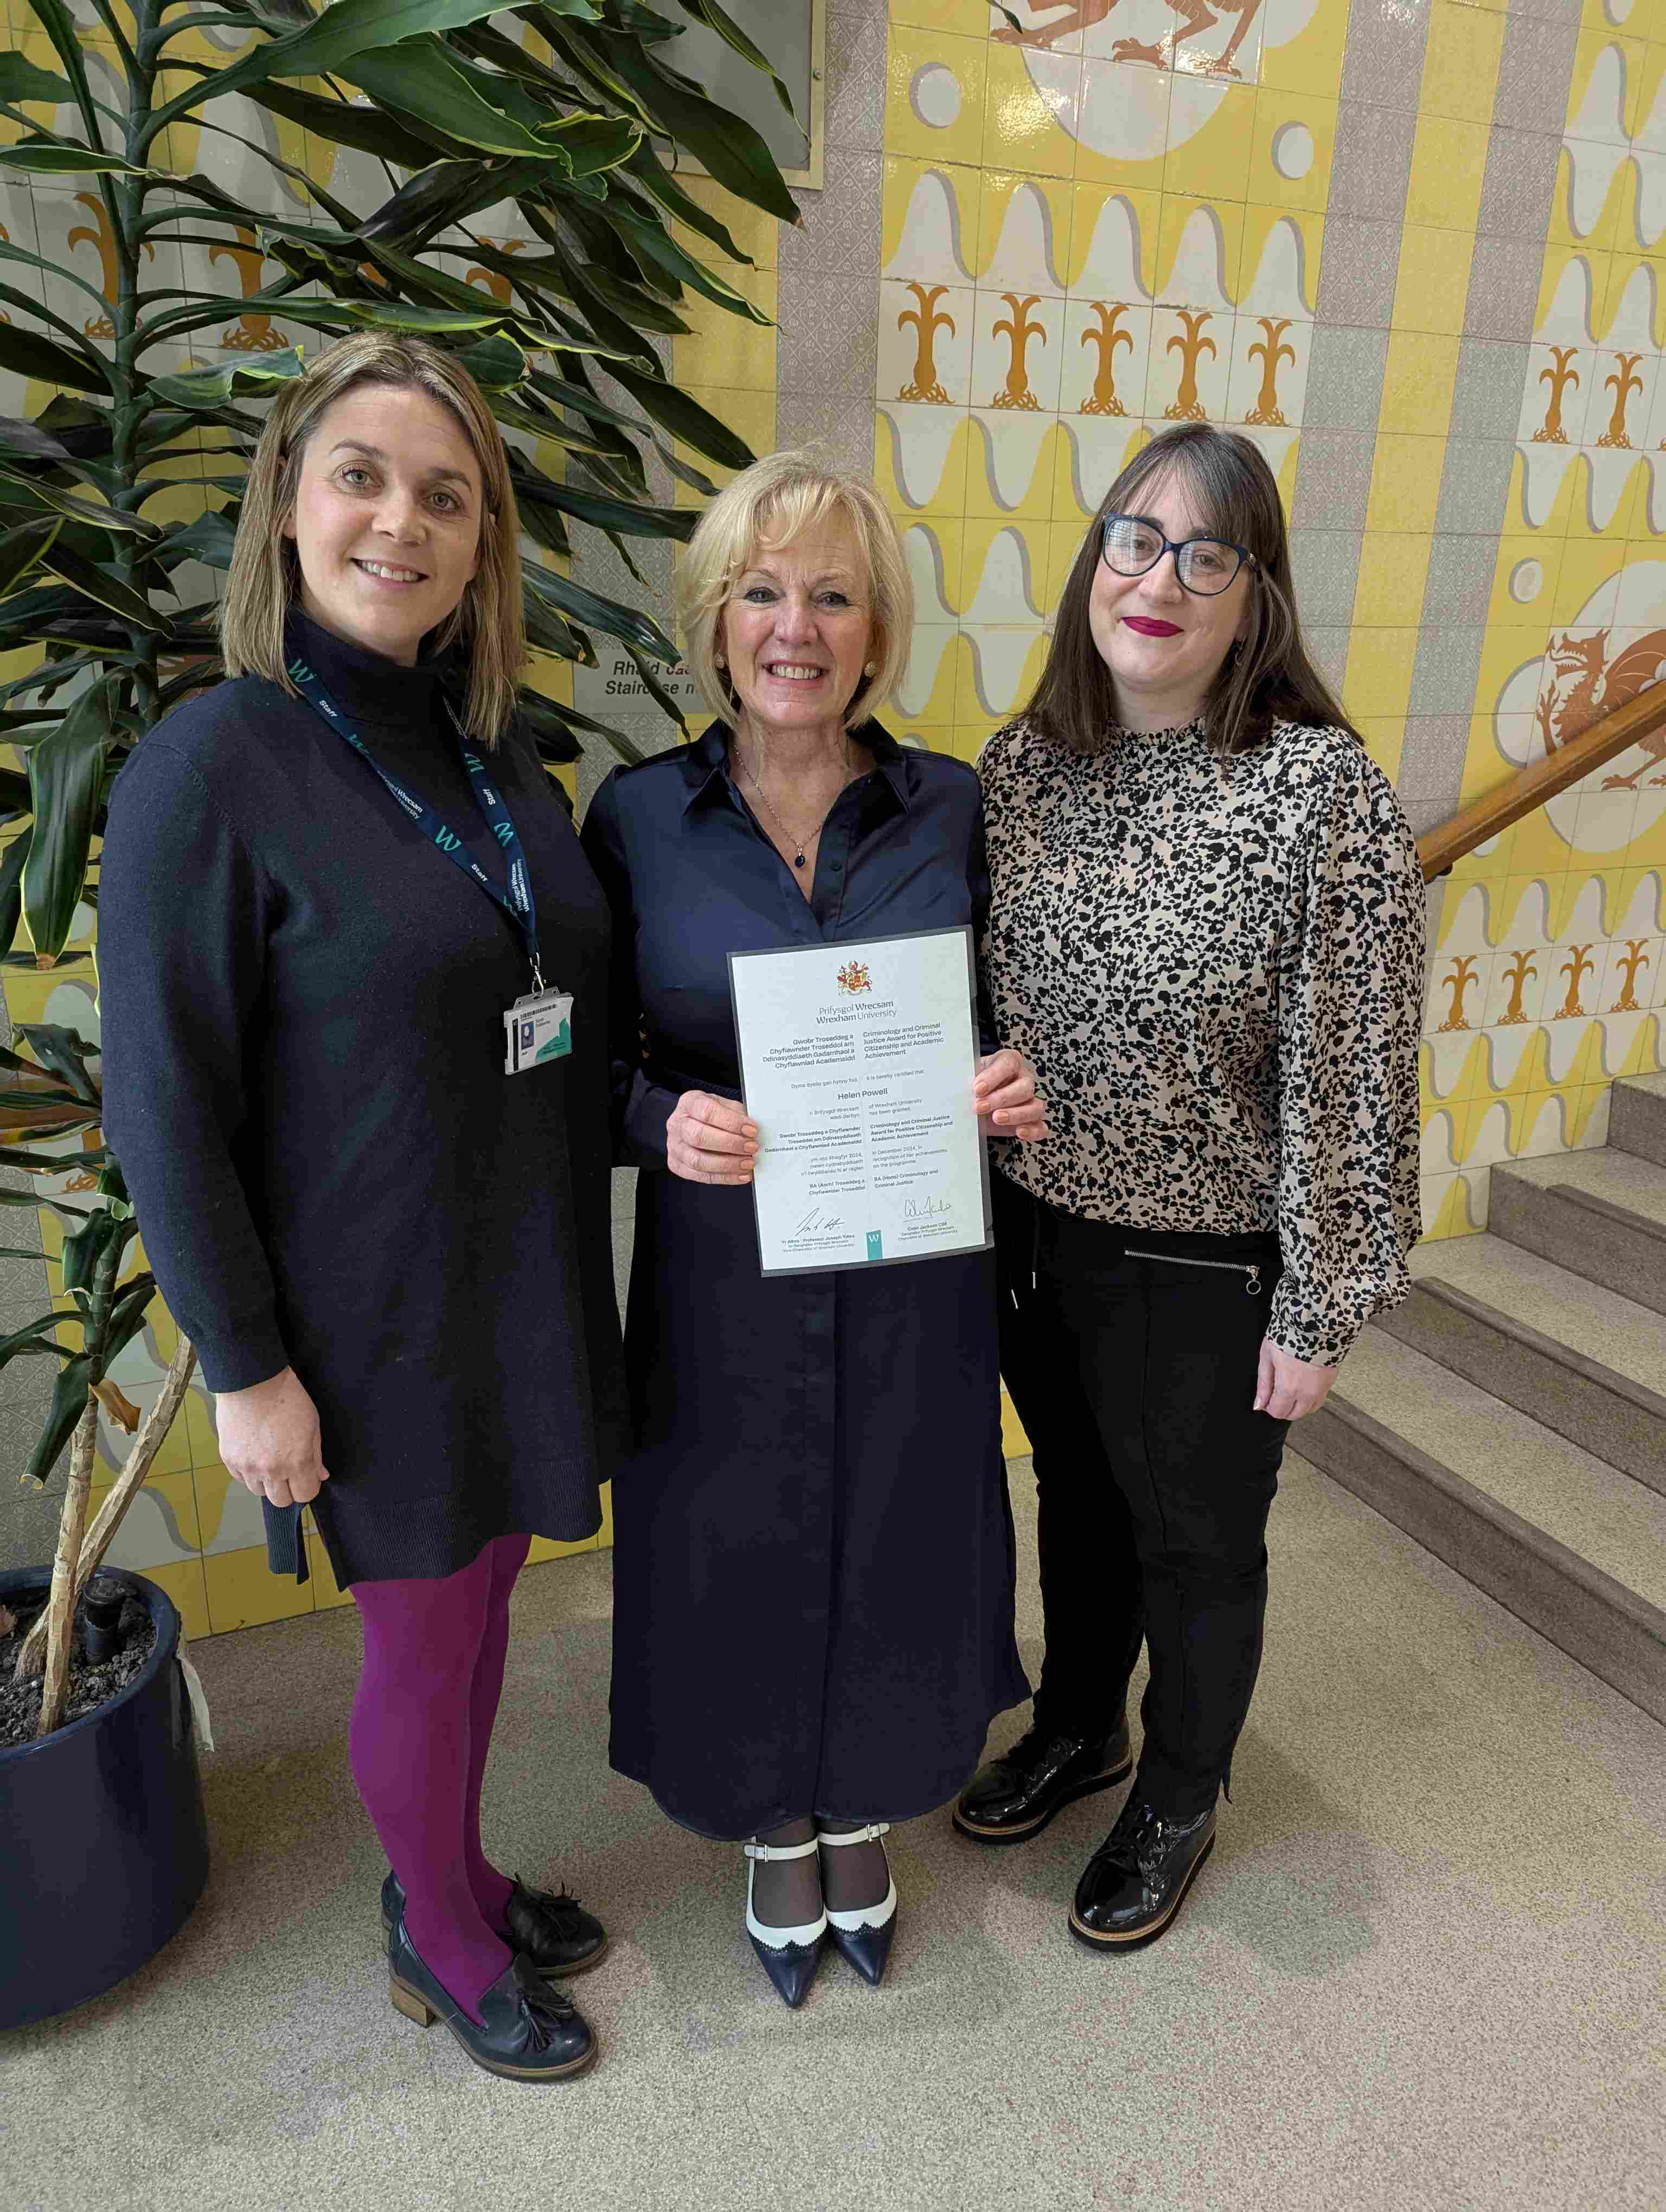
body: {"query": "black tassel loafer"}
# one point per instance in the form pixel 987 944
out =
pixel 556 1932
pixel 1015 1796
pixel 1135 1882
pixel 527 2030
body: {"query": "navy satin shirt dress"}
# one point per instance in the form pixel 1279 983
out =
pixel 813 1573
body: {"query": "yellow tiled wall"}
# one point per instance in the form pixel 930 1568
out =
pixel 1096 230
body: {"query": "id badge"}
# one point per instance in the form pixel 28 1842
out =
pixel 537 1027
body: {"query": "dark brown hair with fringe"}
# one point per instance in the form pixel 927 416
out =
pixel 1270 680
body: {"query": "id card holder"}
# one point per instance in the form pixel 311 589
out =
pixel 537 1027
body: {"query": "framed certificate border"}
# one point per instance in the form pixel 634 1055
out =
pixel 847 948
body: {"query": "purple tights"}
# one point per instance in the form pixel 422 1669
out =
pixel 422 1726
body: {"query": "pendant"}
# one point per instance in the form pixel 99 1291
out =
pixel 799 862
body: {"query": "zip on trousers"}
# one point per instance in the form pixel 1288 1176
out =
pixel 1249 1268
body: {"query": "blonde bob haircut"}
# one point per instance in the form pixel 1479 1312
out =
pixel 265 572
pixel 767 507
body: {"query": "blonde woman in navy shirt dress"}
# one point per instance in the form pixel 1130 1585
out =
pixel 814 1565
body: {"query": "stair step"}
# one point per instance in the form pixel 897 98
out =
pixel 1638 1116
pixel 1579 1359
pixel 1568 1543
pixel 1599 1214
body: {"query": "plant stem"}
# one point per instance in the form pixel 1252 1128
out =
pixel 61 1605
pixel 146 1445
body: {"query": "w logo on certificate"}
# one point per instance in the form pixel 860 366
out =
pixel 870 1150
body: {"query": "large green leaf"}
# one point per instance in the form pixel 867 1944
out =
pixel 343 123
pixel 12 863
pixel 203 389
pixel 95 582
pixel 596 613
pixel 209 540
pixel 648 171
pixel 351 28
pixel 127 1315
pixel 20 81
pixel 734 153
pixel 30 354
pixel 22 550
pixel 425 80
pixel 98 1236
pixel 684 418
pixel 51 157
pixel 63 1053
pixel 32 492
pixel 60 28
pixel 715 19
pixel 29 441
pixel 68 1404
pixel 629 519
pixel 66 771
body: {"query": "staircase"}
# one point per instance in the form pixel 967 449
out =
pixel 1510 1415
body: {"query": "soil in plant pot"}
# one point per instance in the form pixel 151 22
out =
pixel 88 1685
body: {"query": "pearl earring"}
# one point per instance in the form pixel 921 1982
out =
pixel 721 662
pixel 870 667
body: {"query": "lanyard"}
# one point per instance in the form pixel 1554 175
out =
pixel 517 900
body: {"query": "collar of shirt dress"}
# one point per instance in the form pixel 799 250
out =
pixel 889 794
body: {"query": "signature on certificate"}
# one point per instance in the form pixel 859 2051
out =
pixel 924 1209
pixel 817 1219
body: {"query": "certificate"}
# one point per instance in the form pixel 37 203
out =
pixel 857 1062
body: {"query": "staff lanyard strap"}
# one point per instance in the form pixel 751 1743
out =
pixel 517 900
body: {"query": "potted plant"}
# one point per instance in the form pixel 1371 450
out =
pixel 571 129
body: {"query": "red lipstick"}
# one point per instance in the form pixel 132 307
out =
pixel 1147 626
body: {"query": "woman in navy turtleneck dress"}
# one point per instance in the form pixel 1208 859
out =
pixel 393 1257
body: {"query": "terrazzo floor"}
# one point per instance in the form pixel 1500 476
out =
pixel 1424 1968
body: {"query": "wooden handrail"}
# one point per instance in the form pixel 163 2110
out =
pixel 1526 791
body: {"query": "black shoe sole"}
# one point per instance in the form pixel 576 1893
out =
pixel 413 2005
pixel 1010 1835
pixel 1095 1942
pixel 549 1973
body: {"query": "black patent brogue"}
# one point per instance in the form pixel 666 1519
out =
pixel 1015 1796
pixel 526 2032
pixel 554 1930
pixel 1135 1882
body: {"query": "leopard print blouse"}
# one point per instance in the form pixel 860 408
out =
pixel 1218 974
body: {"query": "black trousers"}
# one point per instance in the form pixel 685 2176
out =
pixel 1135 1379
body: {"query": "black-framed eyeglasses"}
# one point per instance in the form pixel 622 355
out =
pixel 1129 545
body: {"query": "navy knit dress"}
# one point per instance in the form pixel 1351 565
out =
pixel 301 1006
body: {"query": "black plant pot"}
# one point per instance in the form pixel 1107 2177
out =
pixel 106 1848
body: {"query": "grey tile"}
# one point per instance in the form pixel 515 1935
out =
pixel 1328 649
pixel 1535 71
pixel 1382 59
pixel 1521 178
pixel 830 334
pixel 1356 275
pixel 1486 393
pixel 1550 11
pixel 840 226
pixel 1443 675
pixel 857 11
pixel 1344 379
pixel 1504 288
pixel 1326 567
pixel 1475 485
pixel 29 1517
pixel 1372 161
pixel 854 81
pixel 1333 479
pixel 1459 587
pixel 839 432
pixel 1431 767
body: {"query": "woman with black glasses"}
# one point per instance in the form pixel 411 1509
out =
pixel 1207 935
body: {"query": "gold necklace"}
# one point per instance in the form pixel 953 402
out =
pixel 797 843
